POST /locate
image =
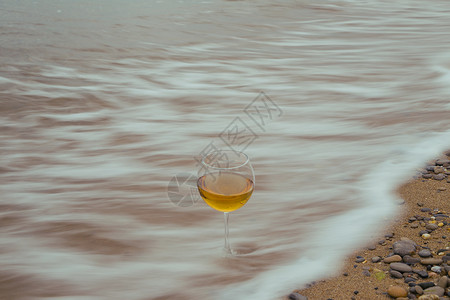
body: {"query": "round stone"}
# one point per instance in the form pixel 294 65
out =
pixel 397 291
pixel 435 290
pixel 426 236
pixel 376 259
pixel 442 161
pixel 436 269
pixel 395 274
pixel 423 274
pixel 403 248
pixel 429 297
pixel 401 267
pixel 426 285
pixel 409 279
pixel 419 289
pixel 424 253
pixel 443 281
pixel 431 261
pixel 392 259
pixel 439 176
pixel 407 259
pixel 431 226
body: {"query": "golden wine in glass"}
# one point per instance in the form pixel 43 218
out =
pixel 226 182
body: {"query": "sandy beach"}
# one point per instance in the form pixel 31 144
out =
pixel 366 274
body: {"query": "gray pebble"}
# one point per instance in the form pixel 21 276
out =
pixel 439 176
pixel 443 281
pixel 431 227
pixel 425 209
pixel 403 248
pixel 395 274
pixel 426 285
pixel 436 269
pixel 407 259
pixel 423 274
pixel 401 267
pixel 419 289
pixel 442 161
pixel 436 290
pixel 424 253
pixel 376 259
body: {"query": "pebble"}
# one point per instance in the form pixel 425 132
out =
pixel 435 290
pixel 425 209
pixel 401 267
pixel 429 297
pixel 439 176
pixel 392 259
pixel 360 259
pixel 436 269
pixel 403 248
pixel 297 296
pixel 431 261
pixel 407 259
pixel 423 232
pixel 424 253
pixel 426 285
pixel 419 289
pixel 415 225
pixel 395 274
pixel 376 259
pixel 426 236
pixel 423 274
pixel 431 226
pixel 409 279
pixel 438 169
pixel 443 281
pixel 442 161
pixel 427 176
pixel 397 291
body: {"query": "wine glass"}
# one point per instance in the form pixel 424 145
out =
pixel 226 181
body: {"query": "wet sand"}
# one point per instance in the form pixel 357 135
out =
pixel 359 280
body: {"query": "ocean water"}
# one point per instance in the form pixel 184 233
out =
pixel 104 103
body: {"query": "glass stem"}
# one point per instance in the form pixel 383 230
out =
pixel 227 243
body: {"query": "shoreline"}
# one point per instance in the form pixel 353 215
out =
pixel 368 274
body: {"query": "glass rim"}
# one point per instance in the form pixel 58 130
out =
pixel 247 160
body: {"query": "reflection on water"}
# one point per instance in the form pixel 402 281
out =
pixel 102 104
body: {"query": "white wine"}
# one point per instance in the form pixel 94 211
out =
pixel 225 191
